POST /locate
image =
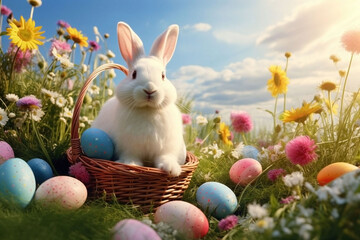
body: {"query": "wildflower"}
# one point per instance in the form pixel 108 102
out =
pixel 256 211
pixel 63 24
pixel 61 47
pixel 81 125
pixel 12 115
pixel 279 81
pixel 50 94
pixel 186 119
pixel 213 150
pixel 328 86
pixel 275 174
pixel 94 46
pixel 110 54
pixel 27 36
pixel 201 120
pixel 112 73
pixel 3 117
pixel 84 68
pixel 351 41
pixel 289 199
pixel 93 89
pixel 23 58
pixel 78 170
pixel 77 36
pixel 103 57
pixel 265 223
pixel 12 97
pixel 106 35
pixel 241 121
pixel 331 106
pixel 228 223
pixel 199 141
pixel 60 101
pixel 35 3
pixel 225 134
pixel 70 100
pixel 67 113
pixel 37 114
pixel 110 92
pixel 342 73
pixel 28 103
pixel 236 153
pixel 5 10
pixel 300 114
pixel 301 150
pixel 334 58
pixel 294 179
pixel 288 54
pixel 63 59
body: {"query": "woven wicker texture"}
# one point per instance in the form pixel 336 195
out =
pixel 143 186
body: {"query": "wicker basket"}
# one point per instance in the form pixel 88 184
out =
pixel 142 186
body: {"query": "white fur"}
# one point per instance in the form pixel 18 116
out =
pixel 143 119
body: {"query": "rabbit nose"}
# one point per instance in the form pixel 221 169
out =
pixel 149 92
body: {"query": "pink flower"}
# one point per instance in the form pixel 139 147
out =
pixel 94 45
pixel 199 141
pixel 28 103
pixel 301 150
pixel 79 171
pixel 351 41
pixel 228 223
pixel 186 119
pixel 60 46
pixel 22 59
pixel 5 10
pixel 288 199
pixel 241 122
pixel 275 174
pixel 63 24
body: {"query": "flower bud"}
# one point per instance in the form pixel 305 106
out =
pixel 35 3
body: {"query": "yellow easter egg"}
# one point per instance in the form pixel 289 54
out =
pixel 333 171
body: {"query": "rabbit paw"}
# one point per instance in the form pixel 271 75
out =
pixel 169 164
pixel 130 161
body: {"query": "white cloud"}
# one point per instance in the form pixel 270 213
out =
pixel 199 27
pixel 233 37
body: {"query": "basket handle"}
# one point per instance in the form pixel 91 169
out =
pixel 75 140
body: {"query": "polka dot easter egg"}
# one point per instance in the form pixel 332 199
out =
pixel 41 170
pixel 6 152
pixel 17 182
pixel 67 191
pixel 184 217
pixel 216 198
pixel 333 171
pixel 97 144
pixel 244 171
pixel 132 229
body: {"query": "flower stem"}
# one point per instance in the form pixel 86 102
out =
pixel 331 115
pixel 32 13
pixel 244 138
pixel 343 90
pixel 13 67
pixel 276 100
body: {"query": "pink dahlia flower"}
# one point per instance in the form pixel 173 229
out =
pixel 94 45
pixel 228 223
pixel 275 174
pixel 241 122
pixel 351 41
pixel 79 171
pixel 63 24
pixel 60 46
pixel 301 150
pixel 5 10
pixel 28 103
pixel 186 119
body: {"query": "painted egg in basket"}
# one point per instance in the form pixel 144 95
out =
pixel 97 144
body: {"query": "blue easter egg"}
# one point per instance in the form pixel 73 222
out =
pixel 97 144
pixel 250 152
pixel 41 169
pixel 17 182
pixel 216 198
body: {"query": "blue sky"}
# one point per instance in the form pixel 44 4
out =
pixel 225 47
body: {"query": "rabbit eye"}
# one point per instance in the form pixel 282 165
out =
pixel 134 74
pixel 163 76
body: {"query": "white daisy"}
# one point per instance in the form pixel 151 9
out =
pixel 67 113
pixel 12 115
pixel 63 59
pixel 112 73
pixel 60 101
pixel 110 54
pixel 256 211
pixel 236 153
pixel 84 68
pixel 50 94
pixel 12 97
pixel 93 89
pixel 37 114
pixel 103 57
pixel 82 125
pixel 293 179
pixel 3 117
pixel 201 120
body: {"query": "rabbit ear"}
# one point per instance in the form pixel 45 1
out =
pixel 164 45
pixel 131 46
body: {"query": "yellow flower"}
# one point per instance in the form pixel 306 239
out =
pixel 225 134
pixel 342 73
pixel 328 86
pixel 279 81
pixel 288 54
pixel 300 114
pixel 77 36
pixel 26 36
pixel 334 58
pixel 333 108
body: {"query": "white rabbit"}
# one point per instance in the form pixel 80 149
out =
pixel 143 119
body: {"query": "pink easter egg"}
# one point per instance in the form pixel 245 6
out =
pixel 6 152
pixel 67 191
pixel 244 171
pixel 184 217
pixel 131 229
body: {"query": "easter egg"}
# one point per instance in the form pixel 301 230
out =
pixel 41 169
pixel 97 144
pixel 216 198
pixel 184 217
pixel 17 182
pixel 250 152
pixel 6 152
pixel 131 229
pixel 67 191
pixel 244 171
pixel 333 171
